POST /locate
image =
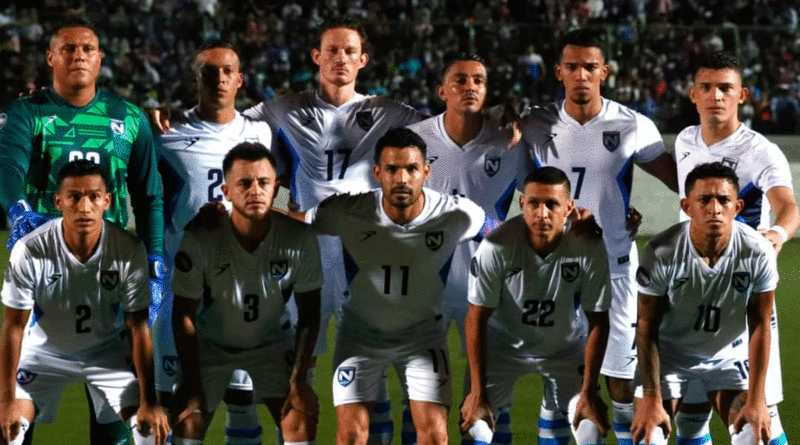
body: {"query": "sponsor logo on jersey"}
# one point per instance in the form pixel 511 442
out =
pixel 191 141
pixel 684 155
pixel 643 277
pixel 222 268
pixel 736 342
pixel 345 375
pixel 364 120
pixel 611 140
pixel 473 267
pixel 117 126
pixel 730 162
pixel 430 159
pixel 3 120
pixel 741 281
pixel 24 376
pixel 170 365
pixel 434 240
pixel 109 279
pixel 367 234
pixel 182 262
pixel 278 269
pixel 570 271
pixel 491 165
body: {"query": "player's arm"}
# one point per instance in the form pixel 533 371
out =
pixel 14 321
pixel 476 404
pixel 663 168
pixel 189 396
pixel 590 404
pixel 301 396
pixel 650 412
pixel 787 217
pixel 149 412
pixel 144 185
pixel 754 411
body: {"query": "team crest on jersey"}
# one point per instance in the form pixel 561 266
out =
pixel 611 140
pixel 730 162
pixel 182 262
pixel 643 277
pixel 491 165
pixel 434 240
pixel 117 126
pixel 170 365
pixel 345 375
pixel 570 271
pixel 364 120
pixel 24 376
pixel 109 279
pixel 741 281
pixel 278 269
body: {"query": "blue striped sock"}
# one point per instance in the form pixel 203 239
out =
pixel 623 416
pixel 553 427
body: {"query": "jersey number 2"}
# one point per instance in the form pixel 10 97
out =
pixel 536 312
pixel 83 312
pixel 215 176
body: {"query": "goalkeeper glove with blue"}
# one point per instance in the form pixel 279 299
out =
pixel 23 221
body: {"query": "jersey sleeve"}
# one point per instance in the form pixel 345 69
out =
pixel 651 275
pixel 596 285
pixel 144 185
pixel 309 273
pixel 480 222
pixel 19 281
pixel 486 272
pixel 16 145
pixel 776 171
pixel 188 270
pixel 649 144
pixel 765 273
pixel 323 217
pixel 135 294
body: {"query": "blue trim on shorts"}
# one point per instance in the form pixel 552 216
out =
pixel 250 433
pixel 695 441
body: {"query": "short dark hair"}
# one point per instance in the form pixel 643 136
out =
pixel 247 151
pixel 399 138
pixel 584 37
pixel 347 22
pixel 81 167
pixel 73 19
pixel 718 60
pixel 215 44
pixel 549 176
pixel 453 58
pixel 711 170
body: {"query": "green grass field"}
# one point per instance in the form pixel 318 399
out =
pixel 71 426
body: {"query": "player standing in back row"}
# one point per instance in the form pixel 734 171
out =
pixel 596 141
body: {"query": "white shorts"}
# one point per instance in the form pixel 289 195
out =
pixel 360 368
pixel 620 359
pixel 562 376
pixel 42 377
pixel 729 373
pixel 268 366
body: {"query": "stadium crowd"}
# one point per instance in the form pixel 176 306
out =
pixel 148 46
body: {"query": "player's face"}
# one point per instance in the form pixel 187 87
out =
pixel 218 77
pixel 712 204
pixel 464 87
pixel 402 172
pixel 717 95
pixel 582 70
pixel 545 208
pixel 74 56
pixel 339 57
pixel 82 200
pixel 251 186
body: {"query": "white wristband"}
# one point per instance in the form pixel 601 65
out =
pixel 780 231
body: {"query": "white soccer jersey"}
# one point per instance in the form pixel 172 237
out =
pixel 539 301
pixel 396 273
pixel 243 294
pixel 330 149
pixel 76 307
pixel 598 157
pixel 707 306
pixel 759 164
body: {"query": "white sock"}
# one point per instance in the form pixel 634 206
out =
pixel 554 428
pixel 478 434
pixel 502 428
pixel 241 425
pixel 182 441
pixel 657 438
pixel 776 428
pixel 588 434
pixel 746 436
pixel 623 416
pixel 692 428
pixel 138 438
pixel 24 424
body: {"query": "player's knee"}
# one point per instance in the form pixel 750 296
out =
pixel 619 390
pixel 298 426
pixel 431 429
pixel 351 433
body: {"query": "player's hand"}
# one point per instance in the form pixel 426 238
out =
pixel 9 420
pixel 302 398
pixel 164 116
pixel 774 237
pixel 151 419
pixel 583 224
pixel 187 402
pixel 633 221
pixel 475 407
pixel 158 274
pixel 592 407
pixel 23 221
pixel 209 217
pixel 649 415
pixel 511 118
pixel 756 414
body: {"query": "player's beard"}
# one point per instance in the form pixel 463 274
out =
pixel 410 197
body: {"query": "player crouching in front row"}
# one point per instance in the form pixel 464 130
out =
pixel 706 288
pixel 76 273
pixel 536 278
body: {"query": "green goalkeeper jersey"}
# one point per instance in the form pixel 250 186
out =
pixel 41 133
